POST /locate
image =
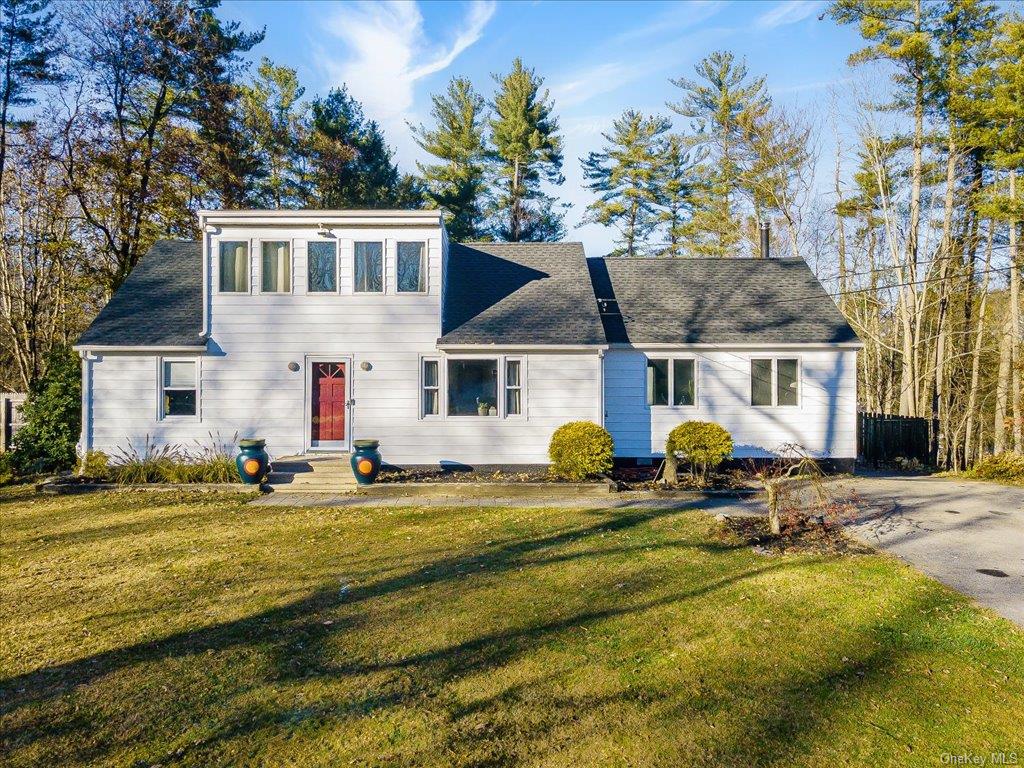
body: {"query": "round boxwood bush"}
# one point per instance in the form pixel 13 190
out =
pixel 580 449
pixel 703 444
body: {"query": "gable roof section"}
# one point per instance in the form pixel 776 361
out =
pixel 519 293
pixel 716 301
pixel 159 305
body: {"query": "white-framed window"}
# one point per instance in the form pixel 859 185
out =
pixel 322 266
pixel 233 266
pixel 513 386
pixel 179 388
pixel 472 386
pixel 275 266
pixel 368 267
pixel 671 381
pixel 775 381
pixel 411 267
pixel 430 387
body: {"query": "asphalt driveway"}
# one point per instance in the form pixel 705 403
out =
pixel 968 535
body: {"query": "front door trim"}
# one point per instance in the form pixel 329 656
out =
pixel 307 411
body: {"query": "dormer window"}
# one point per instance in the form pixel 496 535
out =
pixel 369 267
pixel 322 258
pixel 412 272
pixel 276 267
pixel 234 267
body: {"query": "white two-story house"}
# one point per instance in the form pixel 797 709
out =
pixel 314 328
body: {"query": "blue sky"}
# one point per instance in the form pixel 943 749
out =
pixel 596 58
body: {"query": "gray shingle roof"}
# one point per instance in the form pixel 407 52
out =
pixel 519 293
pixel 716 301
pixel 159 305
pixel 533 293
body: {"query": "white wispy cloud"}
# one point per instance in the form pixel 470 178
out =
pixel 582 85
pixel 384 51
pixel 677 16
pixel 788 12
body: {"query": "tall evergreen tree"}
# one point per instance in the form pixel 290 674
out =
pixel 526 150
pixel 351 164
pixel 625 175
pixel 274 116
pixel 27 53
pixel 230 158
pixel 456 184
pixel 719 102
pixel 674 191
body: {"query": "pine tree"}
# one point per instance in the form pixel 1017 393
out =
pixel 674 191
pixel 625 174
pixel 274 117
pixel 27 53
pixel 526 150
pixel 719 102
pixel 351 165
pixel 456 185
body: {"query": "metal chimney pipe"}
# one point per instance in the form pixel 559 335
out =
pixel 766 236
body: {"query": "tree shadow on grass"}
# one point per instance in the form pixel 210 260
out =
pixel 299 644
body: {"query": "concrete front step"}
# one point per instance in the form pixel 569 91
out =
pixel 312 474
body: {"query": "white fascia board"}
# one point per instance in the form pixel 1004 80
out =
pixel 522 347
pixel 808 345
pixel 150 350
pixel 279 218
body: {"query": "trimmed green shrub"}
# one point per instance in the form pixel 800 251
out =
pixel 95 465
pixel 1001 466
pixel 580 449
pixel 53 417
pixel 703 444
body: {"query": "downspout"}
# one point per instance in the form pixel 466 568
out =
pixel 600 391
pixel 203 333
pixel 84 439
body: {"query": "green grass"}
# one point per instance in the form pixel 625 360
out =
pixel 193 630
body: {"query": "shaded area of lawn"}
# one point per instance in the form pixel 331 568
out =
pixel 194 630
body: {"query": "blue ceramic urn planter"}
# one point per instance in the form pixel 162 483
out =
pixel 365 461
pixel 253 462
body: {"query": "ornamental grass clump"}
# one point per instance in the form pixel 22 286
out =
pixel 580 449
pixel 702 444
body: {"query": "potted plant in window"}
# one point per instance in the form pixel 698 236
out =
pixel 482 407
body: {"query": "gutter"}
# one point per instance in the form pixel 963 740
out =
pixel 152 348
pixel 456 347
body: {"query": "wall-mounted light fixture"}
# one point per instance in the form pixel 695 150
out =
pixel 293 366
pixel 365 365
pixel 324 230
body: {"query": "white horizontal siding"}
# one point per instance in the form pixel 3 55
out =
pixel 270 402
pixel 824 422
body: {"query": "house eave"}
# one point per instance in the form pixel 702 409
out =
pixel 328 218
pixel 149 348
pixel 519 347
pixel 746 345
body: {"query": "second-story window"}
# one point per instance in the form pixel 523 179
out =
pixel 412 277
pixel 322 262
pixel 369 267
pixel 234 267
pixel 276 267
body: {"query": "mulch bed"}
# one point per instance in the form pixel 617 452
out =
pixel 467 476
pixel 626 478
pixel 818 539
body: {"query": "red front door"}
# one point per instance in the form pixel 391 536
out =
pixel 328 401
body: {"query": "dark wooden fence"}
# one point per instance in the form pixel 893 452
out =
pixel 882 438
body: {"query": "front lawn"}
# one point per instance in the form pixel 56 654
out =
pixel 146 629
